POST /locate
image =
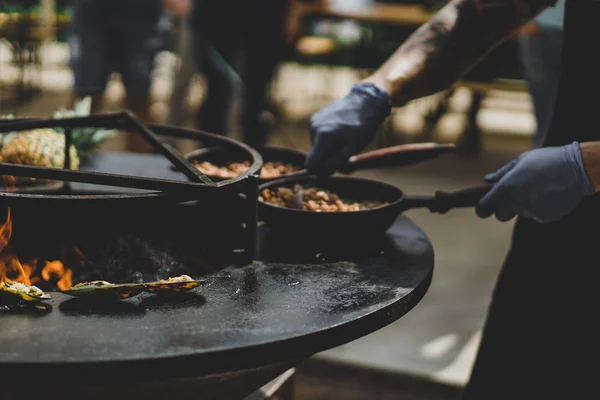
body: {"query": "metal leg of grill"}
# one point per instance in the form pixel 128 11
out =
pixel 281 388
pixel 250 216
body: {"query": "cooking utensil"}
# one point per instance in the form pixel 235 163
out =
pixel 361 223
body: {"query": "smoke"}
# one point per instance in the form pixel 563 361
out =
pixel 128 258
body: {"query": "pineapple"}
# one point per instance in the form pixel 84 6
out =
pixel 39 147
pixel 45 147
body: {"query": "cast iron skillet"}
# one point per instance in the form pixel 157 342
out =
pixel 374 221
pixel 386 157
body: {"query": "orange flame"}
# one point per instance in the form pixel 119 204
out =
pixel 5 231
pixel 11 269
pixel 57 269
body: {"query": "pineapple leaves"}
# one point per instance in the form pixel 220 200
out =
pixel 85 140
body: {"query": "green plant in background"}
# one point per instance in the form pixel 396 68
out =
pixel 85 140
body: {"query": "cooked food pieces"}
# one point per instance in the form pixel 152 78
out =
pixel 316 199
pixel 91 284
pixel 109 291
pixel 275 169
pixel 174 284
pixel 226 172
pixel 102 290
pixel 182 278
pixel 23 291
pixel 270 169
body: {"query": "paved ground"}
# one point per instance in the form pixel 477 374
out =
pixel 439 338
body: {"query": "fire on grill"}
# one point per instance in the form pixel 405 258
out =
pixel 26 280
pixel 30 272
pixel 110 225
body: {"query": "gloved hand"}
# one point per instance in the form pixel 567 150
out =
pixel 346 126
pixel 544 184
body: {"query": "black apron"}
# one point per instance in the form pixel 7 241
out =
pixel 540 338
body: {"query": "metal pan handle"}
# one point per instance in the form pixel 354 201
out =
pixel 469 197
pixel 442 202
pixel 396 156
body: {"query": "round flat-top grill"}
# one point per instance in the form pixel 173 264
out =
pixel 248 323
pixel 248 316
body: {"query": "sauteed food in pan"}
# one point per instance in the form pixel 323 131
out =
pixel 270 169
pixel 316 199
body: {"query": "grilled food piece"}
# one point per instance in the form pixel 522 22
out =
pixel 23 292
pixel 174 284
pixel 90 284
pixel 102 290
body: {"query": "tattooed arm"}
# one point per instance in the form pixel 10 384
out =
pixel 443 50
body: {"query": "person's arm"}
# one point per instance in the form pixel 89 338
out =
pixel 443 50
pixel 590 153
pixel 437 55
pixel 178 7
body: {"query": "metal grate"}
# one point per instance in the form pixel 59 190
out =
pixel 234 200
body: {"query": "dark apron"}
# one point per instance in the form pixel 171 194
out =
pixel 540 338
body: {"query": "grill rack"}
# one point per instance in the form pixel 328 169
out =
pixel 241 191
pixel 126 121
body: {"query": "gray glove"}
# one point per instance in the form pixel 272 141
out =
pixel 544 184
pixel 346 126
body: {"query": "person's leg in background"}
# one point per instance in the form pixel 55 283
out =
pixel 184 49
pixel 216 37
pixel 138 40
pixel 89 52
pixel 265 45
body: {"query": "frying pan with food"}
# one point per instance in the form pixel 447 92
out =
pixel 352 223
pixel 382 158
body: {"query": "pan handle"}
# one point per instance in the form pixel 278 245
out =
pixel 469 197
pixel 396 156
pixel 442 202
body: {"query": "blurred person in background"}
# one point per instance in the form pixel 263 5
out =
pixel 239 44
pixel 540 46
pixel 186 62
pixel 121 36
